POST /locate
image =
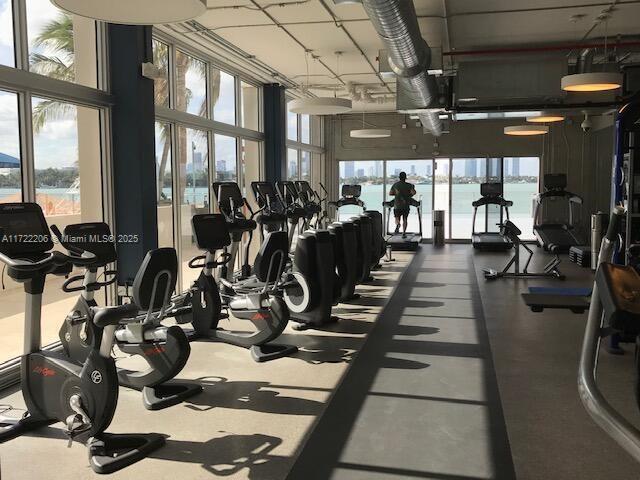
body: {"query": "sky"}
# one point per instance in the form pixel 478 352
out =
pixel 6 34
pixel 528 166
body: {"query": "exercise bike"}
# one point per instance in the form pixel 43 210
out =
pixel 164 350
pixel 512 233
pixel 57 388
pixel 255 298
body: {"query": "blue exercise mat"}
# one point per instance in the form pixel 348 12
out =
pixel 568 292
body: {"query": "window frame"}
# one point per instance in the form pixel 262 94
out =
pixel 26 85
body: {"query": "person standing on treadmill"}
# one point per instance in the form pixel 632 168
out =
pixel 402 191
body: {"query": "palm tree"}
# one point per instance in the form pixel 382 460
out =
pixel 56 36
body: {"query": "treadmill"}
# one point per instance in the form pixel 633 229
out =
pixel 412 240
pixel 491 241
pixel 561 235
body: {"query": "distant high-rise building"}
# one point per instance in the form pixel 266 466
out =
pixel 470 168
pixel 397 171
pixel 198 164
pixel 429 169
pixel 349 169
pixel 378 166
pixel 515 167
pixel 372 171
pixel 413 169
pixel 221 166
pixel 361 172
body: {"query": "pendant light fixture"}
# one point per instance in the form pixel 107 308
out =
pixel 135 12
pixel 526 130
pixel 546 118
pixel 321 105
pixel 592 82
pixel 370 132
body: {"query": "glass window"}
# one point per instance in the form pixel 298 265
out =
pixel 521 185
pixel 7 55
pixel 251 172
pixel 466 176
pixel 292 126
pixel 226 159
pixel 68 183
pixel 191 84
pixel 164 179
pixel 223 96
pixel 161 83
pixel 251 164
pixel 10 171
pixel 369 175
pixel 292 164
pixel 305 129
pixel 66 142
pixel 194 192
pixel 61 46
pixel 305 166
pixel 441 191
pixel 250 98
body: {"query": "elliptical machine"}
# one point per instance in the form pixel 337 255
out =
pixel 230 202
pixel 82 395
pixel 165 350
pixel 255 298
pixel 310 279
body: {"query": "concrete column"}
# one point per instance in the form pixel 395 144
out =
pixel 89 151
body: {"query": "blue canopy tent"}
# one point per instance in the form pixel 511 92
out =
pixel 7 161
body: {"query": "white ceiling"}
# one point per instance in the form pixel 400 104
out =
pixel 278 35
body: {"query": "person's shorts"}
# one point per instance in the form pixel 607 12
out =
pixel 401 212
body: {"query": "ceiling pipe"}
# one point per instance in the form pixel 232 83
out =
pixel 585 60
pixel 409 55
pixel 548 48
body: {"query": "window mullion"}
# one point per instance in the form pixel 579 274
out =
pixel 21 40
pixel 26 147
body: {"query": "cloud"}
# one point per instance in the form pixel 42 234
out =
pixel 6 21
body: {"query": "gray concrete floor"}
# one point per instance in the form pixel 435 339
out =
pixel 251 419
pixel 455 380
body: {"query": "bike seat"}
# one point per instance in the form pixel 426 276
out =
pixel 104 316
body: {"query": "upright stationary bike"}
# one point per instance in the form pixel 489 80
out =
pixel 56 388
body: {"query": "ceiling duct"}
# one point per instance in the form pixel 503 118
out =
pixel 409 55
pixel 585 60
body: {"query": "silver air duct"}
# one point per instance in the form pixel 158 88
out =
pixel 409 55
pixel 585 60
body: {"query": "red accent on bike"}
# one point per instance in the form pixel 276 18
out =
pixel 44 371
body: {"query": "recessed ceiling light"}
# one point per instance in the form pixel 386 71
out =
pixel 592 82
pixel 320 106
pixel 135 12
pixel 526 130
pixel 371 133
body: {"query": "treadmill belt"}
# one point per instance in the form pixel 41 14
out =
pixel 562 291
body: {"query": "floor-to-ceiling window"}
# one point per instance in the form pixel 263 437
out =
pixel 467 174
pixel 451 185
pixel 51 148
pixel 302 145
pixel 370 176
pixel 217 137
pixel 521 185
pixel 420 175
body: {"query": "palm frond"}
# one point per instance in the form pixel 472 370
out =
pixel 53 67
pixel 51 111
pixel 57 35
